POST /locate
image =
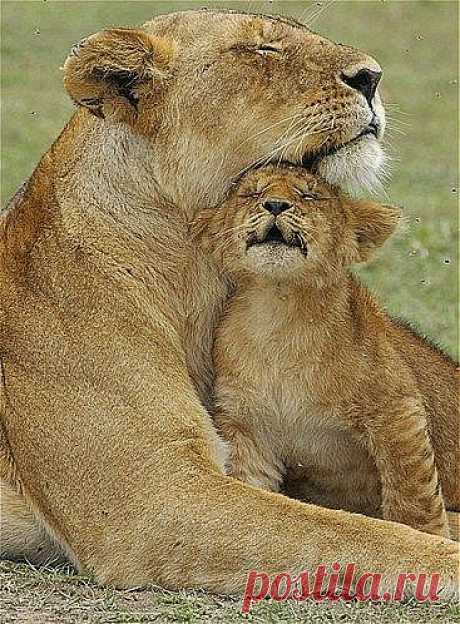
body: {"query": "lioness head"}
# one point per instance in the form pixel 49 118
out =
pixel 204 95
pixel 283 223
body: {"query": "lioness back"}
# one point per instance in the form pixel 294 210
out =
pixel 438 375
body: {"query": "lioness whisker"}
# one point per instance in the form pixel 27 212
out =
pixel 292 128
pixel 267 128
pixel 310 128
pixel 306 131
pixel 301 135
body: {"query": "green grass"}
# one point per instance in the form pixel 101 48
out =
pixel 416 276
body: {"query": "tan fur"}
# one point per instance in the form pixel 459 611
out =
pixel 313 380
pixel 104 299
pixel 453 518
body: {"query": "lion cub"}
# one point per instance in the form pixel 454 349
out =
pixel 316 386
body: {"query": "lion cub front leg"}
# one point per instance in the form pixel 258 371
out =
pixel 402 450
pixel 250 459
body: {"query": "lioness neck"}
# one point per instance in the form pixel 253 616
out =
pixel 106 168
pixel 97 189
pixel 109 190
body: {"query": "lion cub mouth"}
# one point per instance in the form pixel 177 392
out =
pixel 274 237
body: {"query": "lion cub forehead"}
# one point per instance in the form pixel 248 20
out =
pixel 286 178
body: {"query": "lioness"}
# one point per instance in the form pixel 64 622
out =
pixel 107 307
pixel 312 377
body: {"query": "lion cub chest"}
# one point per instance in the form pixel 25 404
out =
pixel 277 407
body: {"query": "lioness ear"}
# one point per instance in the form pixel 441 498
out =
pixel 105 71
pixel 373 224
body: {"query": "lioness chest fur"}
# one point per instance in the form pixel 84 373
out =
pixel 315 385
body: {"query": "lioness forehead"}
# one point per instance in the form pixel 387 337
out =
pixel 214 31
pixel 185 24
pixel 192 16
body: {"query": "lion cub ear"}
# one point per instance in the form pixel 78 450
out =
pixel 104 72
pixel 373 224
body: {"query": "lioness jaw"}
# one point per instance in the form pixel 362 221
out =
pixel 104 300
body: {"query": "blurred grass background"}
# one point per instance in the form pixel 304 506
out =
pixel 415 41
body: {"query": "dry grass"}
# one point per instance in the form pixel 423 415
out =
pixel 30 596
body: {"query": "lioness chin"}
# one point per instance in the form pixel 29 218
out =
pixel 107 308
pixel 318 391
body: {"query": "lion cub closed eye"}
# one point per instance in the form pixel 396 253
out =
pixel 319 392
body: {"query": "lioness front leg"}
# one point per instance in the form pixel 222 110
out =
pixel 242 528
pixel 402 450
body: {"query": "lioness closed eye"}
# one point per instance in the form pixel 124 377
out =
pixel 314 381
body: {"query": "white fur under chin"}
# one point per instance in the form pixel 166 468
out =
pixel 277 262
pixel 356 167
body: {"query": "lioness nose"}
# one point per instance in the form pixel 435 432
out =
pixel 276 206
pixel 364 80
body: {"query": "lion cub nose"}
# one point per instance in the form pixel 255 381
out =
pixel 276 206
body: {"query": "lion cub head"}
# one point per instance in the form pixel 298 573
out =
pixel 286 223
